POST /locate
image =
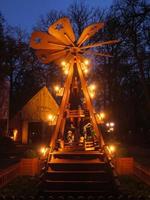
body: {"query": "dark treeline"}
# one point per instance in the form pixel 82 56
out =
pixel 123 80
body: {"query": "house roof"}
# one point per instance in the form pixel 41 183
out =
pixel 39 107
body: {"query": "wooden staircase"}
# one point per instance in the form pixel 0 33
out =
pixel 78 172
pixel 89 145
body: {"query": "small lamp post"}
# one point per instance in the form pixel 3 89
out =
pixel 110 126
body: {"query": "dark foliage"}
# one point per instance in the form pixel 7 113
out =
pixel 6 145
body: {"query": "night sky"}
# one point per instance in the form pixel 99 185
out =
pixel 25 13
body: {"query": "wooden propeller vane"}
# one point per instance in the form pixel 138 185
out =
pixel 60 42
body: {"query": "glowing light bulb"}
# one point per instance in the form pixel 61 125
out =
pixel 92 87
pixel 112 148
pixel 111 129
pixel 86 70
pixel 15 133
pixel 92 94
pixel 56 88
pixel 107 124
pixel 43 150
pixel 63 63
pixel 112 124
pixel 86 62
pixel 66 71
pixel 50 117
pixel 102 115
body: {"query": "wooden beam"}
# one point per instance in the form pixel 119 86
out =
pixel 89 104
pixel 62 106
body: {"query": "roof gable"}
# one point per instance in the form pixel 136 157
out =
pixel 40 106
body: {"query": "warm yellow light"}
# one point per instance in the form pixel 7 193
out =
pixel 50 117
pixel 112 124
pixel 92 87
pixel 86 71
pixel 12 137
pixel 107 124
pixel 63 63
pixel 92 94
pixel 65 67
pixel 112 148
pixel 43 150
pixel 66 71
pixel 102 115
pixel 56 88
pixel 111 129
pixel 60 92
pixel 15 133
pixel 86 62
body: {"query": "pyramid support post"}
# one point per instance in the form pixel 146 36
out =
pixel 63 123
pixel 89 105
pixel 64 102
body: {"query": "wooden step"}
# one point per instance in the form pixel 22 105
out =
pixel 77 175
pixel 87 145
pixel 78 185
pixel 77 166
pixel 78 172
pixel 89 148
pixel 81 153
pixel 100 194
pixel 88 142
pixel 78 155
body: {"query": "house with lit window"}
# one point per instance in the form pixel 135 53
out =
pixel 35 121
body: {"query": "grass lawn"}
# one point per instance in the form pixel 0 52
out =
pixel 28 186
pixel 21 186
pixel 134 186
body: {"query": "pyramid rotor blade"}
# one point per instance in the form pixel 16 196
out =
pixel 62 28
pixel 98 54
pixel 89 31
pixel 46 56
pixel 100 44
pixel 41 40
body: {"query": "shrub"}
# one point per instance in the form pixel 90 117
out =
pixel 7 145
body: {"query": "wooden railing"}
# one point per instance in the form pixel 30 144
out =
pixel 9 174
pixel 26 167
pixel 76 113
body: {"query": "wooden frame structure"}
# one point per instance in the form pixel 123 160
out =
pixel 60 44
